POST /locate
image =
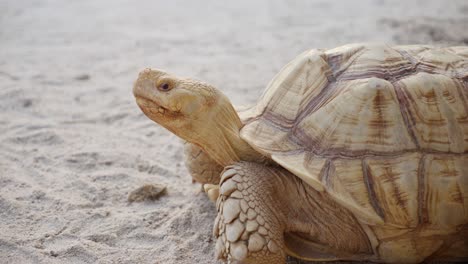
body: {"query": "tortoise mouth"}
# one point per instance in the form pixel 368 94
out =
pixel 155 107
pixel 151 105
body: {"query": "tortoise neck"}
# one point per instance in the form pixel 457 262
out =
pixel 220 137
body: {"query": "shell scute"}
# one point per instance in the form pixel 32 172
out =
pixel 349 186
pixel 446 191
pixel 437 111
pixel 365 116
pixel 395 183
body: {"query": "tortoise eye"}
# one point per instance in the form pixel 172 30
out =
pixel 164 87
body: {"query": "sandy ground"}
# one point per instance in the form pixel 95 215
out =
pixel 73 143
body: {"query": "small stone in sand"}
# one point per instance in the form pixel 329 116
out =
pixel 83 77
pixel 147 192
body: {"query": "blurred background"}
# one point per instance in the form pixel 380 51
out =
pixel 235 44
pixel 73 143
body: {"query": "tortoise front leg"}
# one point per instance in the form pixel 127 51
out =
pixel 250 224
pixel 212 190
pixel 203 169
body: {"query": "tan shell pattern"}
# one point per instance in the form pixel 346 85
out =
pixel 383 130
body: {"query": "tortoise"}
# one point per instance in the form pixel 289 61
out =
pixel 355 153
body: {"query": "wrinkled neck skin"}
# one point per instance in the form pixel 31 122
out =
pixel 218 135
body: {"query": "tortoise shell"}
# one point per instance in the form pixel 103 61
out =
pixel 383 130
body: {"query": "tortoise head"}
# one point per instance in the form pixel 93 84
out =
pixel 193 110
pixel 175 103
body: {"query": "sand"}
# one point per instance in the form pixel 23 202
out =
pixel 73 143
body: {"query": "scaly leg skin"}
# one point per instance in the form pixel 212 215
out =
pixel 249 226
pixel 201 167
